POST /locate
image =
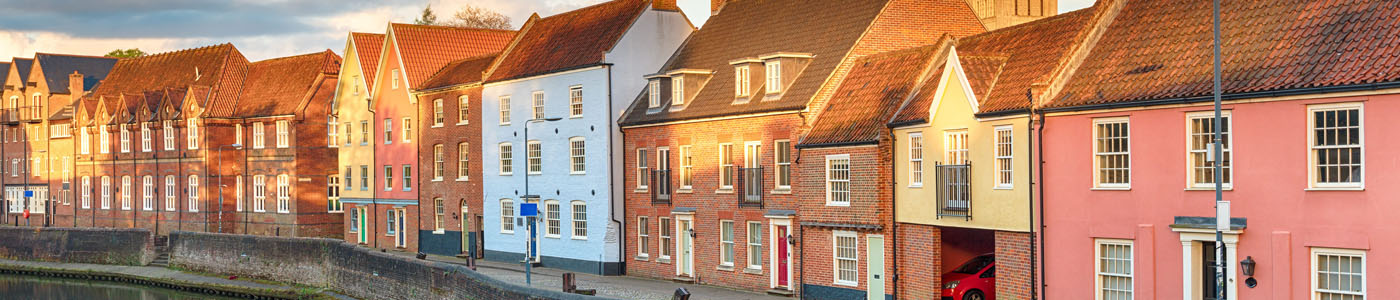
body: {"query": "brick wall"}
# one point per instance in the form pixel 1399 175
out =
pixel 343 267
pixel 870 212
pixel 78 245
pixel 1013 253
pixel 920 261
pixel 455 192
pixel 712 204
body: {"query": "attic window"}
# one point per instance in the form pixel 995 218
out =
pixel 654 93
pixel 394 78
pixel 773 71
pixel 677 91
pixel 741 81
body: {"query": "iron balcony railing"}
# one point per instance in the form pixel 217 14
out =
pixel 661 186
pixel 751 187
pixel 954 190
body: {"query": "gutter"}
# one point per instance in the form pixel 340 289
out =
pixel 1004 113
pixel 836 144
pixel 1235 96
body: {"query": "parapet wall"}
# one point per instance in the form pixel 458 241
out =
pixel 351 270
pixel 112 246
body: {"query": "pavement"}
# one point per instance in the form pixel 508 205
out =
pixel 159 273
pixel 623 287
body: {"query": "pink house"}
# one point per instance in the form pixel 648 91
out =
pixel 1310 154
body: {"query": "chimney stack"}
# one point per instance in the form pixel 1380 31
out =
pixel 668 5
pixel 715 5
pixel 75 84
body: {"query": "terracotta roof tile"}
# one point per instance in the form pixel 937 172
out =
pixel 870 94
pixel 199 66
pixel 368 48
pixel 568 40
pixel 57 67
pixel 278 86
pixel 425 49
pixel 462 71
pixel 746 29
pixel 1161 49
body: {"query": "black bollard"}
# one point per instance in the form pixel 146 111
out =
pixel 681 294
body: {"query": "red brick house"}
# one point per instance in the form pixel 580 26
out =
pixel 451 172
pixel 712 138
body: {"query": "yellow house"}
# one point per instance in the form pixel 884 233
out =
pixel 963 167
pixel 353 124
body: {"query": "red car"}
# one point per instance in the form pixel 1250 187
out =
pixel 975 280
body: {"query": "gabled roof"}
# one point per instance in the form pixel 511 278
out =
pixel 462 71
pixel 278 86
pixel 425 49
pixel 204 66
pixel 23 66
pixel 4 69
pixel 57 67
pixel 568 40
pixel 870 94
pixel 1001 66
pixel 827 30
pixel 1161 50
pixel 368 47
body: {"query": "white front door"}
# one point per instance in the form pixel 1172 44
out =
pixel 875 267
pixel 685 264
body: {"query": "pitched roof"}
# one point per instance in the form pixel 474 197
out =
pixel 1161 49
pixel 746 29
pixel 277 86
pixel 870 94
pixel 568 40
pixel 425 49
pixel 1002 65
pixel 463 71
pixel 368 47
pixel 4 69
pixel 203 66
pixel 23 66
pixel 57 67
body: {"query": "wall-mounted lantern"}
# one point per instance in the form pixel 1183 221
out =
pixel 1247 266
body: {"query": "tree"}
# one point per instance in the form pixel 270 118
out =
pixel 126 53
pixel 428 17
pixel 476 17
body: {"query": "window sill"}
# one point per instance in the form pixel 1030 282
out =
pixel 578 173
pixel 753 271
pixel 781 191
pixel 436 126
pixel 640 190
pixel 551 236
pixel 642 258
pixel 847 283
pixel 847 204
pixel 664 260
pixel 725 268
pixel 508 232
pixel 1226 188
pixel 1111 189
pixel 462 179
pixel 684 190
pixel 461 123
pixel 579 238
pixel 436 180
pixel 916 186
pixel 506 174
pixel 504 124
pixel 439 231
pixel 576 117
pixel 1338 189
pixel 1004 188
pixel 724 190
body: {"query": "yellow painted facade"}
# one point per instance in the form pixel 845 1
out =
pixel 352 111
pixel 991 206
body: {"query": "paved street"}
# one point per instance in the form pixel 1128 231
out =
pixel 625 287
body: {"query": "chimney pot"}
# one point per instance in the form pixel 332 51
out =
pixel 75 84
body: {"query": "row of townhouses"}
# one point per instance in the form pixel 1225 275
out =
pixel 827 149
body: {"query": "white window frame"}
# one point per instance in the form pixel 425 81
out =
pixel 283 134
pixel 1315 290
pixel 782 169
pixel 726 166
pixel 773 76
pixel 284 194
pixel 193 196
pixel 726 244
pixel 168 132
pixel 106 192
pixel 259 139
pixel 147 188
pixel 87 192
pixel 145 137
pixel 505 110
pixel 551 211
pixel 85 145
pixel 126 192
pixel 407 177
pixel 507 216
pixel 741 81
pixel 1003 138
pixel 687 178
pixel 104 139
pixel 259 193
pixel 836 258
pixel 126 138
pixel 916 159
pixel 170 192
pixel 643 170
pixel 407 129
pixel 643 237
pixel 332 132
pixel 1096 153
pixel 192 133
pixel 463 161
pixel 1313 183
pixel 537 105
pixel 388 177
pixel 664 228
pixel 753 231
pixel 955 147
pixel 654 93
pixel 1191 167
pixel 1099 275
pixel 394 79
pixel 534 158
pixel 577 156
pixel 439 164
pixel 238 133
pixel 439 216
pixel 438 117
pixel 578 210
pixel 830 193
pixel 678 90
pixel 388 131
pixel 576 101
pixel 463 110
pixel 238 193
pixel 507 158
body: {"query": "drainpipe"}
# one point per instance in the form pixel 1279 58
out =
pixel 374 197
pixel 894 222
pixel 1030 146
pixel 1040 153
pixel 621 226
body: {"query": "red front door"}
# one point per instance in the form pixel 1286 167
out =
pixel 782 256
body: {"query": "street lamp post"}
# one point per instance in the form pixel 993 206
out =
pixel 1222 207
pixel 220 166
pixel 530 221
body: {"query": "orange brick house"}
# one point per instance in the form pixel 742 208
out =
pixel 712 138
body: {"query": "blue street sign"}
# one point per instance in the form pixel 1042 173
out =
pixel 29 194
pixel 529 210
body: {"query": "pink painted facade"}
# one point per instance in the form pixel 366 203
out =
pixel 393 111
pixel 1286 220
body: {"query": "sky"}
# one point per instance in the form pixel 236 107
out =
pixel 261 29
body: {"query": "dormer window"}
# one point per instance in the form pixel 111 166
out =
pixel 774 80
pixel 741 81
pixel 677 91
pixel 654 93
pixel 394 78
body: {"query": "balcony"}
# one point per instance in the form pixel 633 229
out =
pixel 661 186
pixel 27 114
pixel 954 190
pixel 750 187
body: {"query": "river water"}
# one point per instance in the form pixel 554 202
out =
pixel 45 288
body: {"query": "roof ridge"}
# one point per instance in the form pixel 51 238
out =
pixel 36 55
pixel 450 27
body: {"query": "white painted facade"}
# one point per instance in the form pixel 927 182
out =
pixel 607 91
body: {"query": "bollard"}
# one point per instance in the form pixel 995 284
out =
pixel 681 294
pixel 471 262
pixel 568 280
pixel 421 256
